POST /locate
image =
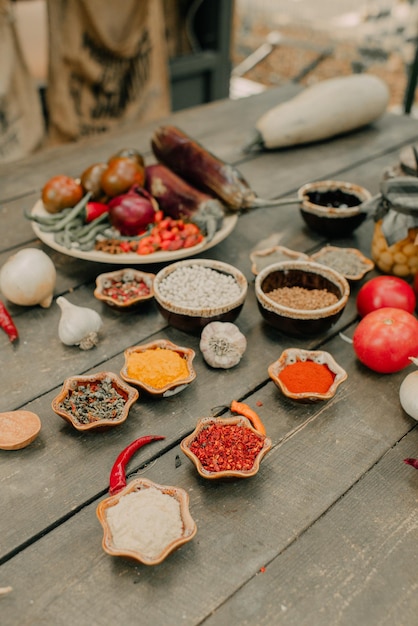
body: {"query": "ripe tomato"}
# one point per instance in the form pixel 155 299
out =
pixel 384 291
pixel 61 192
pixel 385 339
pixel 121 173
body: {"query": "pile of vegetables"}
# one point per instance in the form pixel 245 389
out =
pixel 145 209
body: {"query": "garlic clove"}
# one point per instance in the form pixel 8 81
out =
pixel 78 326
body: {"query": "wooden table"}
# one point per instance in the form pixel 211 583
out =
pixel 325 533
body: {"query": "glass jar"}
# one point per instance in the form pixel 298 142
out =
pixel 400 258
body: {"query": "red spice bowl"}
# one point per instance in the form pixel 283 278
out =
pixel 161 368
pixel 149 523
pixel 225 447
pixel 95 401
pixel 124 289
pixel 307 375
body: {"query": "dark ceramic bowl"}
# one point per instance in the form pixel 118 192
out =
pixel 333 208
pixel 308 275
pixel 193 318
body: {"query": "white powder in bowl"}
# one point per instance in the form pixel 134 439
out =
pixel 145 521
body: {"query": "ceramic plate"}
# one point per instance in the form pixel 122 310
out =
pixel 132 257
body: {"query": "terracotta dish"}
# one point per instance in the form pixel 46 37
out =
pixel 189 525
pixel 243 422
pixel 292 355
pixel 127 274
pixel 128 396
pixel 268 256
pixel 170 388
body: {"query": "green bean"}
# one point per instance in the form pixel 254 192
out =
pixel 49 220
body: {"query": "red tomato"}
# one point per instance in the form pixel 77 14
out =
pixel 61 192
pixel 385 339
pixel 384 291
pixel 416 284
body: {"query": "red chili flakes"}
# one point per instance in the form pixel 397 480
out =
pixel 221 447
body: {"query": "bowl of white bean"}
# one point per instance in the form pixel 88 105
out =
pixel 192 293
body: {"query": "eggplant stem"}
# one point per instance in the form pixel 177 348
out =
pixel 258 203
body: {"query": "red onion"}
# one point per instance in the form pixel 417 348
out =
pixel 131 212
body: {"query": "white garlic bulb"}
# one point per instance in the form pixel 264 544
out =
pixel 28 278
pixel 78 325
pixel 222 344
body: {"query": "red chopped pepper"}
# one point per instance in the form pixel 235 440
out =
pixel 118 475
pixel 95 210
pixel 7 324
pixel 221 447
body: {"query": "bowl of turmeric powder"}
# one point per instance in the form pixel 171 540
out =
pixel 160 368
pixel 307 375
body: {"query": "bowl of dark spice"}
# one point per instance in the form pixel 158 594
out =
pixel 192 293
pixel 333 208
pixel 307 375
pixel 94 401
pixel 350 262
pixel 226 447
pixel 161 367
pixel 301 297
pixel 124 289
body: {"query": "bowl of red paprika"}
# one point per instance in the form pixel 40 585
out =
pixel 226 447
pixel 307 375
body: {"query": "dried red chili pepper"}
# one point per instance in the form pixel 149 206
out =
pixel 413 462
pixel 7 324
pixel 246 411
pixel 117 479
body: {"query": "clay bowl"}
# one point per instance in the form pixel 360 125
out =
pixel 341 259
pixel 332 208
pixel 109 544
pixel 130 276
pixel 262 258
pixel 170 388
pixel 293 355
pixel 128 395
pixel 203 424
pixel 191 316
pixel 307 275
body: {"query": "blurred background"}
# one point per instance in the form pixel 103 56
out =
pixel 221 48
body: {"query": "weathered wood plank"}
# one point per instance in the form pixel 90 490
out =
pixel 246 525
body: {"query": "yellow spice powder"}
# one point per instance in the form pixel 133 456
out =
pixel 157 367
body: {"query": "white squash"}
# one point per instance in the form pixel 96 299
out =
pixel 326 109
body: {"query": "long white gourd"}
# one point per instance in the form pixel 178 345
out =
pixel 326 109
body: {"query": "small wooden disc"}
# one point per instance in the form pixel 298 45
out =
pixel 18 429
